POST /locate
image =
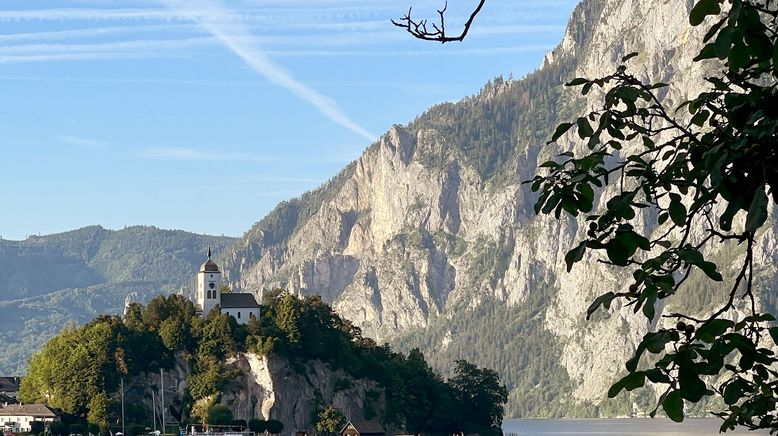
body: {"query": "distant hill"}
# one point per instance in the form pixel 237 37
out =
pixel 48 281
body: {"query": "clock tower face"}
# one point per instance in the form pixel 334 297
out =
pixel 211 285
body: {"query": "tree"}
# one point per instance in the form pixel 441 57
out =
pixel 257 425
pixel 58 428
pixel 219 414
pixel 694 175
pixel 274 426
pixel 37 427
pixel 482 397
pixel 330 420
pixel 76 428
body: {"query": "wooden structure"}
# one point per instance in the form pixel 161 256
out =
pixel 362 428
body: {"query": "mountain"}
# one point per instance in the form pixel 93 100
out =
pixel 48 281
pixel 430 240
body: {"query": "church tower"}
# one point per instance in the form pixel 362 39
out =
pixel 209 282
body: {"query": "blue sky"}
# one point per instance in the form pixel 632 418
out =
pixel 202 115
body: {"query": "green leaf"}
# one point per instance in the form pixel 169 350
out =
pixel 629 56
pixel 577 81
pixel 575 255
pixel 700 117
pixel 677 210
pixel 584 128
pixel 673 406
pixel 738 56
pixel 691 387
pixel 709 332
pixel 630 382
pixel 561 130
pixel 618 252
pixel 724 43
pixel 733 392
pixel 757 213
pixel 702 9
pixel 602 300
pixel 709 268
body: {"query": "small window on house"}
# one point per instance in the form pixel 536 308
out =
pixel 238 314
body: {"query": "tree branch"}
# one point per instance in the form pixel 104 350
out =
pixel 418 29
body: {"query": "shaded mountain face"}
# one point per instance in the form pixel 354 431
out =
pixel 48 281
pixel 430 240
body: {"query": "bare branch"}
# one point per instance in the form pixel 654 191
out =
pixel 418 29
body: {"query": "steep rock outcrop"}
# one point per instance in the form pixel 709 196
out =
pixel 433 219
pixel 270 388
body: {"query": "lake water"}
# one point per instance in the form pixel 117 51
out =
pixel 610 427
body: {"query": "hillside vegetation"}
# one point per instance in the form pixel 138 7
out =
pixel 78 371
pixel 50 281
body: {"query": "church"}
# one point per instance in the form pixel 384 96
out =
pixel 241 306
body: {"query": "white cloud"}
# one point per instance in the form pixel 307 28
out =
pixel 191 154
pixel 83 142
pixel 236 36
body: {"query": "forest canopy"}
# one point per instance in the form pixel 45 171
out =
pixel 79 370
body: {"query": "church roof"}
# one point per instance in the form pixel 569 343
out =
pixel 238 301
pixel 209 266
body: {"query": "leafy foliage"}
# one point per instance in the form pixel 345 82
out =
pixel 685 173
pixel 219 415
pixel 485 396
pixel 75 276
pixel 78 370
pixel 330 420
pixel 274 426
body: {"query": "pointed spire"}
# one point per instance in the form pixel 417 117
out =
pixel 209 251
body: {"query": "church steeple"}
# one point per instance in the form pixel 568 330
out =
pixel 208 284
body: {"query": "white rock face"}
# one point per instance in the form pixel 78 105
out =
pixel 269 388
pixel 394 240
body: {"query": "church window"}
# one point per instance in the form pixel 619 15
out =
pixel 209 294
pixel 239 314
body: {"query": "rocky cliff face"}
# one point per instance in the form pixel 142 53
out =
pixel 432 222
pixel 269 388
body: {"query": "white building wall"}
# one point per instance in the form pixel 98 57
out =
pixel 242 314
pixel 204 279
pixel 19 424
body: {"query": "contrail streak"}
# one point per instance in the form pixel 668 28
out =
pixel 235 35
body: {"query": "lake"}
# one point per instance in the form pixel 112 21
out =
pixel 632 427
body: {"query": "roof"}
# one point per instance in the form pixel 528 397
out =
pixel 209 266
pixel 9 384
pixel 6 399
pixel 238 301
pixel 36 410
pixel 365 427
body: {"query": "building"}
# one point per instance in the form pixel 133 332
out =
pixel 241 306
pixel 9 386
pixel 17 418
pixel 362 428
pixel 6 400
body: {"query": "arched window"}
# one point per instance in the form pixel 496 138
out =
pixel 209 294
